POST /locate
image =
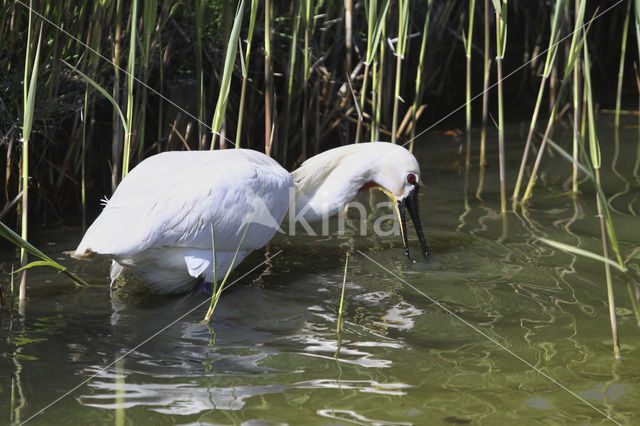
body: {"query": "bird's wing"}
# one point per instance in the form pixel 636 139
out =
pixel 171 200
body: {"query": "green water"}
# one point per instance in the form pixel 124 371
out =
pixel 273 354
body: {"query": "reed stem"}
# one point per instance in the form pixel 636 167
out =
pixel 623 51
pixel 401 45
pixel 344 283
pixel 417 100
pixel 468 42
pixel 548 66
pixel 268 82
pixel 199 18
pixel 501 41
pixel 574 53
pixel 131 65
pixel 227 73
pixel 245 68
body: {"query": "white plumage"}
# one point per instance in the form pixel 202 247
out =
pixel 158 221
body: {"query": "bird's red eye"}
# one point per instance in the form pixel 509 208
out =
pixel 411 178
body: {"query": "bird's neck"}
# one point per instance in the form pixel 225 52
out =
pixel 323 186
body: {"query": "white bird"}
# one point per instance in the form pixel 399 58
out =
pixel 158 223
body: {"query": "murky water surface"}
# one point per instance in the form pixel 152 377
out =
pixel 498 328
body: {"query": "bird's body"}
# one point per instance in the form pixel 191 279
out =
pixel 160 219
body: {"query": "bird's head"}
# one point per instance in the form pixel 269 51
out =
pixel 331 179
pixel 396 173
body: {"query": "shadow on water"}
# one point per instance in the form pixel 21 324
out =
pixel 273 354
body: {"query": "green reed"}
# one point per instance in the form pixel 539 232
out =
pixel 348 34
pixel 200 6
pixel 574 53
pixel 501 44
pixel 401 47
pixel 468 42
pixel 417 99
pixel 552 50
pixel 25 246
pixel 594 149
pixel 608 230
pixel 305 7
pixel 577 112
pixel 293 54
pixel 30 83
pixel 116 138
pixel 375 23
pixel 150 14
pixel 83 158
pixel 245 67
pixel 376 87
pixel 131 68
pixel 485 87
pixel 268 77
pixel 217 290
pixel 344 283
pixel 636 9
pixel 227 72
pixel 623 51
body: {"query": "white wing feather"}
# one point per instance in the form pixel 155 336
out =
pixel 170 200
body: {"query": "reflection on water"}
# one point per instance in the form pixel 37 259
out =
pixel 273 354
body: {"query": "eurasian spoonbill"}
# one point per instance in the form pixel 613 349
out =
pixel 158 221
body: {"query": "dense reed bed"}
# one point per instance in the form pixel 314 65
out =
pixel 293 78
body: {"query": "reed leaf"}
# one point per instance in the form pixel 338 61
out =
pixel 419 72
pixel 23 244
pixel 468 42
pixel 636 13
pixel 403 23
pixel 217 291
pixel 150 13
pixel 245 67
pixel 227 72
pixel 103 92
pixel 268 80
pixel 623 51
pixel 582 252
pixel 594 146
pixel 199 20
pixel 501 27
pixel 549 61
pixel 131 68
pixel 576 44
pixel 344 283
pixel 501 43
pixel 375 26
